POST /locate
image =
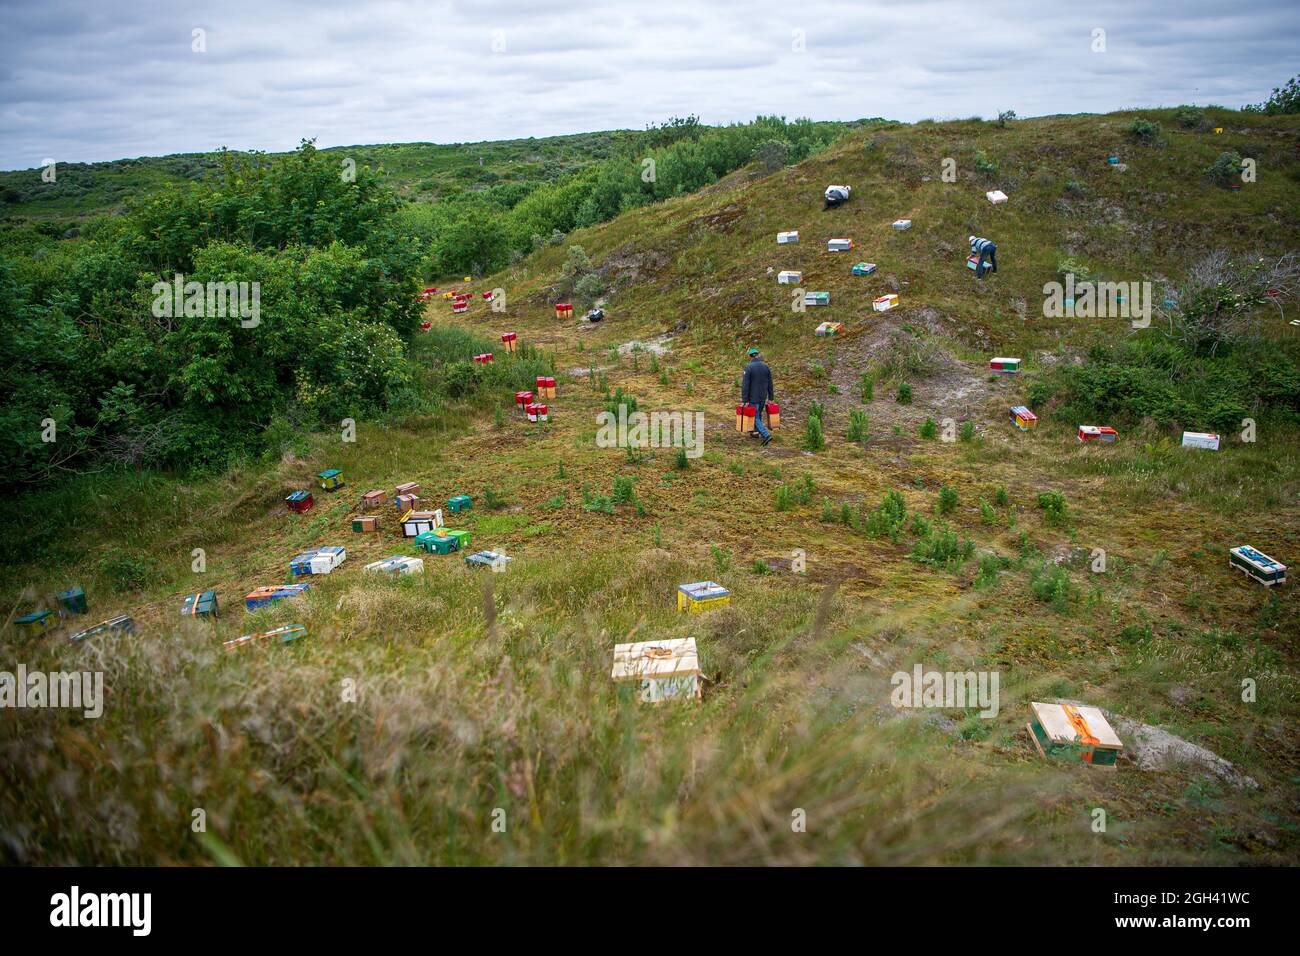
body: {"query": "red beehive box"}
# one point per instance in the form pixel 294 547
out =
pixel 563 310
pixel 545 386
pixel 773 414
pixel 484 358
pixel 426 326
pixel 537 412
pixel 509 340
pixel 745 418
pixel 487 296
pixel 523 399
pixel 300 501
pixel 459 307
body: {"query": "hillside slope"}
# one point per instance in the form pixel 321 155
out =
pixel 418 715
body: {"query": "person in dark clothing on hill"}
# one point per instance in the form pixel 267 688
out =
pixel 987 251
pixel 756 389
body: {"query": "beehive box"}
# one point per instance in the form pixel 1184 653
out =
pixel 510 341
pixel 458 307
pixel 773 416
pixel 1074 732
pixel 407 488
pixel 442 541
pixel 1097 433
pixel 373 499
pixel 263 596
pixel 318 560
pixel 537 412
pixel 563 310
pixel 486 559
pixel 1113 160
pixel 331 479
pixel 901 224
pixel 545 386
pixel 116 626
pixel 363 524
pixel 73 601
pixel 884 303
pixel 829 329
pixel 416 523
pixel 663 670
pixel 201 604
pixel 701 596
pixel 1207 440
pixel 1004 366
pixel 816 298
pixel 406 503
pixel 973 263
pixel 839 245
pixel 484 358
pixel 523 399
pixel 1023 418
pixel 36 622
pixel 789 277
pixel 864 268
pixel 399 565
pixel 300 501
pixel 996 196
pixel 1258 565
pixel 787 238
pixel 458 503
pixel 745 418
pixel 279 635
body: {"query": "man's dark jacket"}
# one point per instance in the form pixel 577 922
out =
pixel 756 387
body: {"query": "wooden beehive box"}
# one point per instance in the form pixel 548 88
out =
pixel 300 501
pixel 563 310
pixel 331 479
pixel 202 604
pixel 318 560
pixel 901 224
pixel 1004 366
pixel 664 670
pixel 701 596
pixel 442 541
pixel 73 601
pixel 406 503
pixel 839 245
pixel 829 329
pixel 745 418
pixel 279 635
pixel 373 499
pixel 1023 418
pixel 407 488
pixel 864 268
pixel 37 622
pixel 363 524
pixel 1074 732
pixel 510 340
pixel 789 277
pixel 883 303
pixel 1207 440
pixel 537 412
pixel 416 523
pixel 122 624
pixel 996 196
pixel 1258 565
pixel 816 298
pixel 263 596
pixel 1097 433
pixel 773 416
pixel 397 566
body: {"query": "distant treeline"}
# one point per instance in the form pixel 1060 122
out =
pixel 482 231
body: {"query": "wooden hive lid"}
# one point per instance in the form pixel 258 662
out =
pixel 1056 723
pixel 676 657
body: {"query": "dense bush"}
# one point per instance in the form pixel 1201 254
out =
pixel 1146 132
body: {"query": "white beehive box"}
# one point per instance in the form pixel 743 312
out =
pixel 902 224
pixel 396 566
pixel 665 670
pixel 415 523
pixel 318 560
pixel 839 245
pixel 1201 440
pixel 789 277
pixel 996 196
pixel 885 302
pixel 785 238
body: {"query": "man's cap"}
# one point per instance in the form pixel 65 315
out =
pixel 753 351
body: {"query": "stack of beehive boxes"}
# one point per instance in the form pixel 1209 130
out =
pixel 510 340
pixel 545 386
pixel 563 310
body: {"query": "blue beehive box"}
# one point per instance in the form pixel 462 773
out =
pixel 459 503
pixel 73 601
pixel 261 597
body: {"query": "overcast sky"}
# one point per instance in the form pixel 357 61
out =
pixel 86 80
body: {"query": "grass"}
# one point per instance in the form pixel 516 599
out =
pixel 459 704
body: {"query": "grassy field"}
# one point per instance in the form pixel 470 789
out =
pixel 468 717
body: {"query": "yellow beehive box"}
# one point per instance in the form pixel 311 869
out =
pixel 665 670
pixel 701 596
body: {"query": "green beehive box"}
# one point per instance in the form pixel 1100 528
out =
pixel 331 479
pixel 202 604
pixel 73 601
pixel 442 541
pixel 37 622
pixel 459 503
pixel 1074 732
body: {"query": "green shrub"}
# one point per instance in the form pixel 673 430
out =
pixel 1055 510
pixel 624 492
pixel 887 520
pixel 1189 117
pixel 857 425
pixel 942 547
pixel 1226 170
pixel 929 429
pixel 1051 585
pixel 967 431
pixel 947 500
pixel 1000 497
pixel 990 566
pixel 813 439
pixel 1146 132
pixel 904 395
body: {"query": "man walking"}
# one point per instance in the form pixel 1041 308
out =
pixel 756 390
pixel 985 249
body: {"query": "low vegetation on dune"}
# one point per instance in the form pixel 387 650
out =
pixel 898 519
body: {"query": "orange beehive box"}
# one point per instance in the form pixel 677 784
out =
pixel 773 415
pixel 745 418
pixel 563 310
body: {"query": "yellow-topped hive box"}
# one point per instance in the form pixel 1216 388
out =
pixel 665 670
pixel 701 596
pixel 1074 732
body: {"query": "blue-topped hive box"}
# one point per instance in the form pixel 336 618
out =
pixel 397 566
pixel 300 501
pixel 318 560
pixel 37 622
pixel 261 597
pixel 202 604
pixel 701 596
pixel 73 601
pixel 1258 565
pixel 331 479
pixel 487 559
